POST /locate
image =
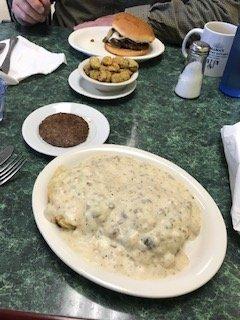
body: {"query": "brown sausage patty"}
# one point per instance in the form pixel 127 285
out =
pixel 64 130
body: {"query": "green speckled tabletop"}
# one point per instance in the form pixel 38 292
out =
pixel 153 118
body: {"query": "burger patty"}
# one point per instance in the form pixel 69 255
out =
pixel 124 43
pixel 128 44
pixel 64 130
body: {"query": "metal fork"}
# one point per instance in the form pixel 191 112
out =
pixel 10 168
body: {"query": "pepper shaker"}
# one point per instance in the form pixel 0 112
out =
pixel 190 80
pixel 3 89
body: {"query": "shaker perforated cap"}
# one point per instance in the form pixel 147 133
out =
pixel 200 47
pixel 3 87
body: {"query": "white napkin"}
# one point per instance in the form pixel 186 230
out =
pixel 27 59
pixel 231 142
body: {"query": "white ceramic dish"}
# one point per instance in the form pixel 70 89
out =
pixel 85 88
pixel 105 86
pixel 98 127
pixel 81 40
pixel 206 252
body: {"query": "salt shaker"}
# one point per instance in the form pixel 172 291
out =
pixel 190 80
pixel 3 89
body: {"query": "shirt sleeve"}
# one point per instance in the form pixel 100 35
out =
pixel 173 19
pixel 139 11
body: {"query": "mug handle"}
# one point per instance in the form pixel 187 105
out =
pixel 195 30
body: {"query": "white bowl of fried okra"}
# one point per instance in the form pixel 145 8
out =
pixel 109 73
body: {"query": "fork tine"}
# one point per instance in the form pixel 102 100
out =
pixel 11 173
pixel 7 151
pixel 10 167
pixel 10 164
pixel 10 170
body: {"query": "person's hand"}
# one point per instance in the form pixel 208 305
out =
pixel 103 21
pixel 29 12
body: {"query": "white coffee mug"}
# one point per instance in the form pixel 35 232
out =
pixel 219 35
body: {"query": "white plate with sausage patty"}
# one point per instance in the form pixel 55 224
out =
pixel 98 124
pixel 89 41
pixel 206 253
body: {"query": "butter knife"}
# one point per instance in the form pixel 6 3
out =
pixel 6 63
pixel 2 47
pixel 6 154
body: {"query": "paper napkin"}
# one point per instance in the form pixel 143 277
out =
pixel 231 142
pixel 28 59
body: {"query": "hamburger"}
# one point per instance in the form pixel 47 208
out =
pixel 129 36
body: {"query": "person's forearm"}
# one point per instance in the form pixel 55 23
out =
pixel 172 20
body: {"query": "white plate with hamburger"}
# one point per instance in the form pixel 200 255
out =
pixel 109 174
pixel 128 39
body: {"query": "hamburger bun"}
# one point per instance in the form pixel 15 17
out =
pixel 125 52
pixel 133 28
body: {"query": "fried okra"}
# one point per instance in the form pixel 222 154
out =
pixel 107 61
pixel 104 76
pixel 94 74
pixel 95 63
pixel 126 70
pixel 114 67
pixel 87 69
pixel 133 65
pixel 103 68
pixel 108 69
pixel 120 77
pixel 122 62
